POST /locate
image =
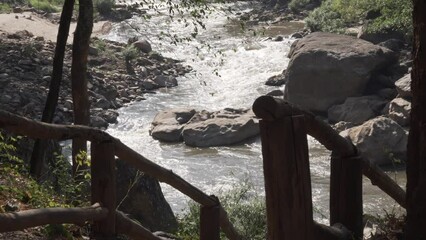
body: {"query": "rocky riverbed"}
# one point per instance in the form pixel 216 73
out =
pixel 26 66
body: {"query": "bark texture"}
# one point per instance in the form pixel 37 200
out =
pixel 416 161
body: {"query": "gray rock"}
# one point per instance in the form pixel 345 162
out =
pixel 277 80
pixel 149 84
pixel 403 86
pixel 143 45
pixel 102 103
pixel 165 81
pixel 98 122
pixel 356 110
pixel 275 93
pixel 381 140
pixel 327 68
pixel 222 128
pixel 278 38
pixel 399 110
pixel 141 197
pixel 167 125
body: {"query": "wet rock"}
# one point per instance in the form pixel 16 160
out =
pixel 168 124
pixel 275 93
pixel 98 122
pixel 277 80
pixel 381 140
pixel 226 127
pixel 165 81
pixel 326 68
pixel 102 103
pixel 278 39
pixel 143 45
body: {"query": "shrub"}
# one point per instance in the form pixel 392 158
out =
pixel 336 15
pixel 5 8
pixel 104 7
pixel 246 211
pixel 45 5
pixel 326 19
pixel 296 5
pixel 130 53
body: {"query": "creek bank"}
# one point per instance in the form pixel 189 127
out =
pixel 116 76
pixel 113 82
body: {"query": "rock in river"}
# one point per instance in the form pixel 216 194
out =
pixel 327 68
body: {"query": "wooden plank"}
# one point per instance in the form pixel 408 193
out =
pixel 210 222
pixel 103 187
pixel 37 217
pixel 346 194
pixel 287 179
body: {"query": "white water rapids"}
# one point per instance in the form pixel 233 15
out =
pixel 246 63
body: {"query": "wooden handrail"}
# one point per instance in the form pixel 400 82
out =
pixel 38 217
pixel 133 229
pixel 35 129
pixel 269 108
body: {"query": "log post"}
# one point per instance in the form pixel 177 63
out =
pixel 103 187
pixel 287 179
pixel 210 222
pixel 346 193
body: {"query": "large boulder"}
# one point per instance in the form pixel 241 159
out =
pixel 381 140
pixel 327 68
pixel 403 86
pixel 356 110
pixel 399 110
pixel 221 128
pixel 168 124
pixel 140 196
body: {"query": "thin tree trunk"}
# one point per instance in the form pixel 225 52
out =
pixel 416 162
pixel 39 149
pixel 80 52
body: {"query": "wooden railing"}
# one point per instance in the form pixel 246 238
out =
pixel 284 130
pixel 107 221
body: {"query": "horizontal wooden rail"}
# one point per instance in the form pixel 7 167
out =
pixel 38 217
pixel 133 229
pixel 269 108
pixel 34 129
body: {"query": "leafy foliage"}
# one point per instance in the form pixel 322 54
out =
pixel 104 7
pixel 49 6
pixel 296 5
pixel 335 15
pixel 246 211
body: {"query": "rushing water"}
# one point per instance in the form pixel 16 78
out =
pixel 247 60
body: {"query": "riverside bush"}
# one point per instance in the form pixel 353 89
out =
pixel 336 15
pixel 246 211
pixel 104 7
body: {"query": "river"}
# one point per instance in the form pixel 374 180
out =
pixel 230 68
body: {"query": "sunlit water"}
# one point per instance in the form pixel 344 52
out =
pixel 243 62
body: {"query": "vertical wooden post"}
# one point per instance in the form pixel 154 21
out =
pixel 346 193
pixel 103 187
pixel 287 179
pixel 210 222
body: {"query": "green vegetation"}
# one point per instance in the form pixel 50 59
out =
pixel 104 7
pixel 47 5
pixel 5 8
pixel 380 16
pixel 18 191
pixel 297 5
pixel 246 211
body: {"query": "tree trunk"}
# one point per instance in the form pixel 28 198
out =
pixel 80 52
pixel 416 162
pixel 38 154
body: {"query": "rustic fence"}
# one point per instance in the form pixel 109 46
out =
pixel 107 221
pixel 284 130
